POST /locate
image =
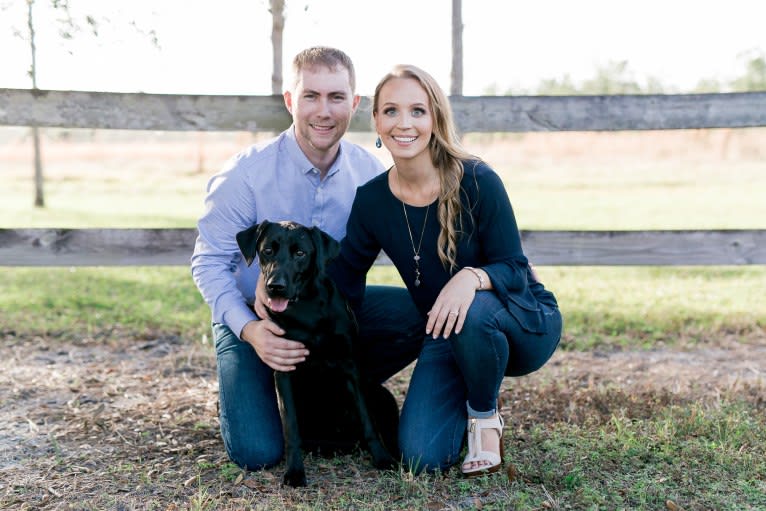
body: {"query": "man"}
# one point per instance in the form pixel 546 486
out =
pixel 307 174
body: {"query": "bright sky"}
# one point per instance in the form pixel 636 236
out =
pixel 224 47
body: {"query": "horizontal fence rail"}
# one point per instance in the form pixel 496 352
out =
pixel 126 247
pixel 109 110
pixel 153 247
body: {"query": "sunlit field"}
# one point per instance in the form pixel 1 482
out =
pixel 700 179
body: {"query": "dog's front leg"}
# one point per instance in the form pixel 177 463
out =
pixel 381 458
pixel 295 475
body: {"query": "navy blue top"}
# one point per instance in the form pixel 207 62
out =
pixel 490 239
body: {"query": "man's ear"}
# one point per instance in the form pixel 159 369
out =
pixel 326 246
pixel 355 103
pixel 248 240
pixel 288 97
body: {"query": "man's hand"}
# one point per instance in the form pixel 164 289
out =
pixel 276 352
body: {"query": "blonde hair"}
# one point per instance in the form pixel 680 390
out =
pixel 447 155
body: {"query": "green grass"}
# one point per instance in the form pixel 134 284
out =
pixel 695 456
pixel 640 195
pixel 699 457
pixel 635 307
pixel 101 302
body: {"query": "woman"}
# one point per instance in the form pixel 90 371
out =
pixel 444 219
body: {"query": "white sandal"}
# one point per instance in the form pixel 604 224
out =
pixel 475 448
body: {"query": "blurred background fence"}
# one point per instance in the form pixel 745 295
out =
pixel 486 114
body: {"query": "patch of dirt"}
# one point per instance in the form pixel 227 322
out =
pixel 86 420
pixel 133 423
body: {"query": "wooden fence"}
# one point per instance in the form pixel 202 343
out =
pixel 97 247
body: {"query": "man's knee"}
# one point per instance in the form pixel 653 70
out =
pixel 250 456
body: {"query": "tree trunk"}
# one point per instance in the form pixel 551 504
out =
pixel 456 87
pixel 39 196
pixel 277 28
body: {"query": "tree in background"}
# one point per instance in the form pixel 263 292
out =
pixel 66 30
pixel 614 78
pixel 67 27
pixel 456 76
pixel 754 78
pixel 557 87
pixel 277 10
pixel 708 85
pixel 39 195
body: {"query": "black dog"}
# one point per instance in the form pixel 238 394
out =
pixel 326 406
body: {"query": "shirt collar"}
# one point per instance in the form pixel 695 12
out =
pixel 300 159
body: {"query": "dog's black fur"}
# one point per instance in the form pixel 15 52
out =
pixel 325 404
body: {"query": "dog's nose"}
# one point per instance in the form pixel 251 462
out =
pixel 276 286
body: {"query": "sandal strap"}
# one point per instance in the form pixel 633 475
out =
pixel 475 427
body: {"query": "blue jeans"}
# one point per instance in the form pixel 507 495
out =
pixel 390 338
pixel 467 368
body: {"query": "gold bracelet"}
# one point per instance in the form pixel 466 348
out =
pixel 478 276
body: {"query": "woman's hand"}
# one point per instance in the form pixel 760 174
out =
pixel 451 306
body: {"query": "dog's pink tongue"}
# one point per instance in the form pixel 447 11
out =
pixel 278 304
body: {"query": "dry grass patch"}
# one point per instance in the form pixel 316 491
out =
pixel 132 424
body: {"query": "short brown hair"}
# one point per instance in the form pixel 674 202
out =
pixel 331 58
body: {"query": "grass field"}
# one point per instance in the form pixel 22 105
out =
pixel 645 406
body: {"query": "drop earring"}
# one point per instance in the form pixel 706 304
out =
pixel 378 143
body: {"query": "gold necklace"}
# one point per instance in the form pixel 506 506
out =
pixel 415 251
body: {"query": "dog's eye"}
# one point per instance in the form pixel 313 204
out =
pixel 267 251
pixel 300 253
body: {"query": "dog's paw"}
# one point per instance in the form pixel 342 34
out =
pixel 294 478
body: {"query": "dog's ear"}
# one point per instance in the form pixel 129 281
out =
pixel 327 247
pixel 248 240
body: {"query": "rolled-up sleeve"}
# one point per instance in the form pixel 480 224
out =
pixel 216 258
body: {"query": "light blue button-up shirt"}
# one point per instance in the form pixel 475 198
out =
pixel 274 181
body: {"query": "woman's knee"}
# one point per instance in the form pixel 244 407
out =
pixel 431 448
pixel 532 351
pixel 480 342
pixel 416 459
pixel 481 319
